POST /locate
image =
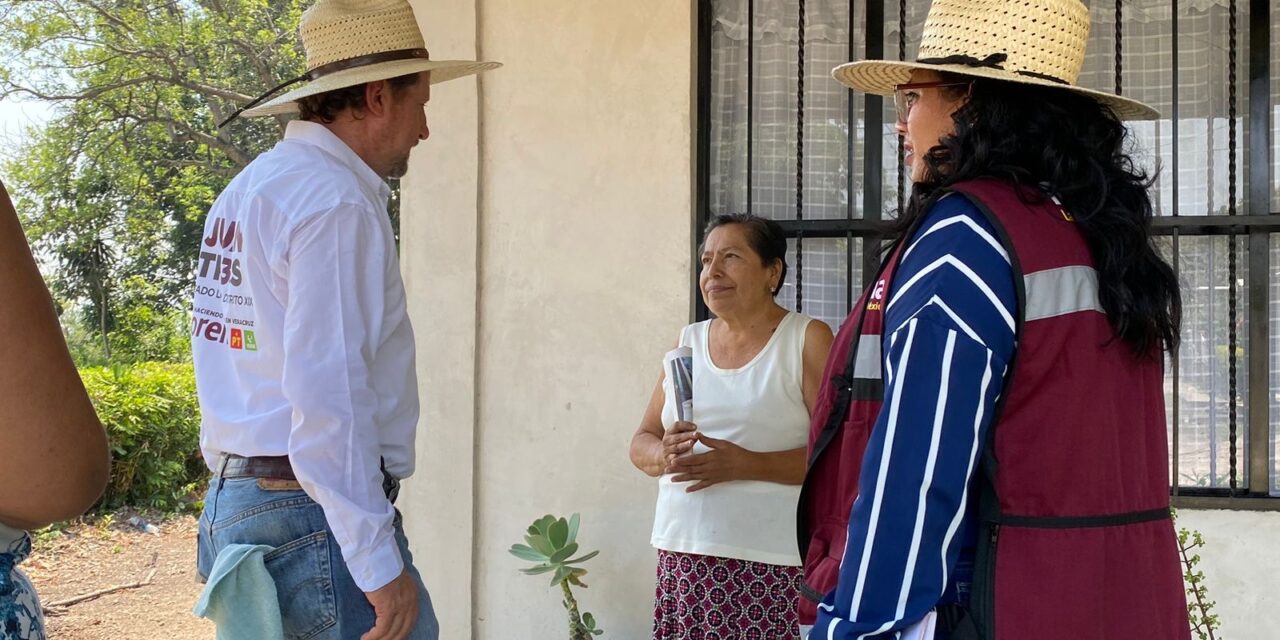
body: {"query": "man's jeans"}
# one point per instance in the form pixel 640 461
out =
pixel 318 598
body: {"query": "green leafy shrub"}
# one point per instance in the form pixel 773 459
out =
pixel 152 420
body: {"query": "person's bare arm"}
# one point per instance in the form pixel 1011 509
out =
pixel 817 347
pixel 56 461
pixel 728 461
pixel 652 447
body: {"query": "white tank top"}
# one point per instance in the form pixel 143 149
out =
pixel 759 406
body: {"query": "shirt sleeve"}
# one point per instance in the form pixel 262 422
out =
pixel 337 280
pixel 951 335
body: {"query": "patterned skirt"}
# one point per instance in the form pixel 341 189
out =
pixel 20 615
pixel 712 598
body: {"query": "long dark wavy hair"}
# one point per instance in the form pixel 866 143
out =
pixel 1077 149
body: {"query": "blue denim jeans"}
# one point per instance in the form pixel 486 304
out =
pixel 20 614
pixel 318 598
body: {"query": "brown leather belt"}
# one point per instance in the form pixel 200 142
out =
pixel 278 468
pixel 273 467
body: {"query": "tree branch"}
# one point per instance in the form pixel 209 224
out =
pixel 203 89
pixel 234 153
pixel 211 91
pixel 90 94
pixel 115 21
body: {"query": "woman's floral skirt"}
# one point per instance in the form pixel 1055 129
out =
pixel 711 598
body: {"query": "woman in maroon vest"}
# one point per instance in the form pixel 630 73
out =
pixel 995 401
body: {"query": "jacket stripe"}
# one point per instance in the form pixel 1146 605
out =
pixel 894 406
pixel 968 273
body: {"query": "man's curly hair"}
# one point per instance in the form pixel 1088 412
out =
pixel 325 107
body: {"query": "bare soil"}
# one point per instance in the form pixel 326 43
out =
pixel 105 551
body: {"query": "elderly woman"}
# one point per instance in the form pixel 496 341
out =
pixel 1015 483
pixel 724 526
pixel 55 451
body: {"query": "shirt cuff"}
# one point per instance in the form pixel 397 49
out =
pixel 376 567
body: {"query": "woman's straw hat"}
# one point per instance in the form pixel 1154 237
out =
pixel 351 42
pixel 1038 42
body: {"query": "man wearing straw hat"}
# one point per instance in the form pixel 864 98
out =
pixel 303 350
pixel 989 456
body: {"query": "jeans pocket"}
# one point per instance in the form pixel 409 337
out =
pixel 204 552
pixel 304 586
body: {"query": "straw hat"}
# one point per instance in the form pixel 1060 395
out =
pixel 351 42
pixel 1038 42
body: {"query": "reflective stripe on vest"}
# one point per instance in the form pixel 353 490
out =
pixel 1058 292
pixel 868 361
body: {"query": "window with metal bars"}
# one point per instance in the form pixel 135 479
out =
pixel 778 137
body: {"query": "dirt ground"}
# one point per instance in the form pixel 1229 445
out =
pixel 106 551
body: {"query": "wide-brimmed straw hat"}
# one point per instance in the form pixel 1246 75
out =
pixel 1038 42
pixel 351 42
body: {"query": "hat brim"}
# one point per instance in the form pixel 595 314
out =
pixel 879 77
pixel 441 71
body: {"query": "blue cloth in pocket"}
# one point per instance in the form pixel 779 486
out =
pixel 240 595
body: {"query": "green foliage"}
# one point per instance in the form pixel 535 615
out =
pixel 1204 622
pixel 148 334
pixel 44 537
pixel 117 185
pixel 552 543
pixel 144 332
pixel 147 331
pixel 115 189
pixel 153 427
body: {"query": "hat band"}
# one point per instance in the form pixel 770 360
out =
pixel 993 61
pixel 364 61
pixel 332 68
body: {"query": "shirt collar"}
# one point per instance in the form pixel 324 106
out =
pixel 318 135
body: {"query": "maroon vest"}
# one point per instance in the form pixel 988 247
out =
pixel 849 401
pixel 1073 493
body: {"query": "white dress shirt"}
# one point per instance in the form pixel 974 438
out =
pixel 300 337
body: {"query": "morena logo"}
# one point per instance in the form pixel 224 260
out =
pixel 217 332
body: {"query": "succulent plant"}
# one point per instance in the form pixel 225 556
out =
pixel 551 544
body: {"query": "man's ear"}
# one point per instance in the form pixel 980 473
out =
pixel 376 97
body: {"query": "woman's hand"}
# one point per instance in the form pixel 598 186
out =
pixel 678 440
pixel 725 461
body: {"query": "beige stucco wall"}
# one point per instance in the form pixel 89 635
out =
pixel 546 230
pixel 1241 563
pixel 439 241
